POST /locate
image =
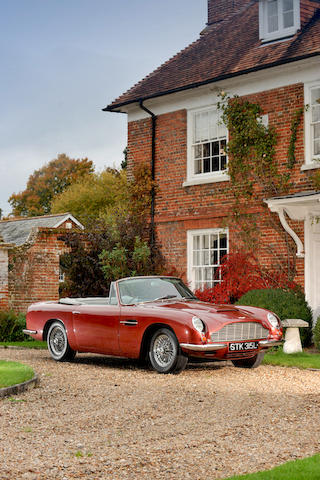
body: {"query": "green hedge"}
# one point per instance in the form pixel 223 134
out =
pixel 284 303
pixel 11 326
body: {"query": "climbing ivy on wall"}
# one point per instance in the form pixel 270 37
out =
pixel 251 149
pixel 254 175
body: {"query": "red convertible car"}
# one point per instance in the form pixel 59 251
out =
pixel 154 318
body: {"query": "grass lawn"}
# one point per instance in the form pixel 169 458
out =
pixel 26 344
pixel 306 469
pixel 301 360
pixel 12 373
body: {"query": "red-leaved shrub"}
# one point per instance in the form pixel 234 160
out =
pixel 240 272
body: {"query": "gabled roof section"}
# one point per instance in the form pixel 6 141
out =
pixel 18 230
pixel 227 49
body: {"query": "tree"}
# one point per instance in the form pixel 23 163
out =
pixel 47 182
pixel 94 196
pixel 115 242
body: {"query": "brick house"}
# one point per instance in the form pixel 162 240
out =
pixel 30 252
pixel 266 51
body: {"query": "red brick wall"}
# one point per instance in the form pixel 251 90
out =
pixel 179 208
pixel 307 10
pixel 34 270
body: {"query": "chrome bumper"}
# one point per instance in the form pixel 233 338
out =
pixel 213 347
pixel 29 332
pixel 208 347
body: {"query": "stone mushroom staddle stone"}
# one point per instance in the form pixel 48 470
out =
pixel 292 342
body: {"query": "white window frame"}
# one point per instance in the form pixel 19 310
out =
pixel 282 32
pixel 200 178
pixel 62 276
pixel 311 161
pixel 190 235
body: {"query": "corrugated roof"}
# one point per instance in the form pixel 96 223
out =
pixel 229 48
pixel 17 231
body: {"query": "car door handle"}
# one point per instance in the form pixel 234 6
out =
pixel 76 313
pixel 129 322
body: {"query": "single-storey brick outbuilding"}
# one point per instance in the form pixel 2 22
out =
pixel 30 251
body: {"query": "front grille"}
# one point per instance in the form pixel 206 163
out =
pixel 234 332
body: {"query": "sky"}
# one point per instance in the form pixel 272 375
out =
pixel 62 61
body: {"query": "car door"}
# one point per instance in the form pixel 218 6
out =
pixel 96 328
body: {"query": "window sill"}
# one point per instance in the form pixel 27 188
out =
pixel 310 166
pixel 223 177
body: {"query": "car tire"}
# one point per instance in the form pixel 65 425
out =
pixel 165 353
pixel 58 344
pixel 253 362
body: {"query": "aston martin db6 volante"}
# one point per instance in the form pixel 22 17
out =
pixel 156 319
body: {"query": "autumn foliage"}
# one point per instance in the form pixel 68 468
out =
pixel 47 182
pixel 240 272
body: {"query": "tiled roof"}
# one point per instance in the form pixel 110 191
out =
pixel 17 231
pixel 226 49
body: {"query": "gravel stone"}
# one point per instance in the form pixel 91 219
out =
pixel 102 418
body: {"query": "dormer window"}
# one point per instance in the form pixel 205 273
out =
pixel 278 18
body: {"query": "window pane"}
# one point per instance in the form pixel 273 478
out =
pixel 316 147
pixel 196 242
pixel 288 15
pixel 288 20
pixel 206 241
pixel 315 96
pixel 214 241
pixel 272 14
pixel 215 148
pixel 316 114
pixel 206 165
pixel 287 5
pixel 215 164
pixel 214 257
pixel 197 151
pixel 201 127
pixel 223 241
pixel 206 150
pixel 222 254
pixel 198 166
pixel 213 124
pixel 316 131
pixel 223 163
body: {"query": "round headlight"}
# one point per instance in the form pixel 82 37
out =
pixel 198 324
pixel 273 320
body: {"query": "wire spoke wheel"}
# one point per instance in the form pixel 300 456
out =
pixel 164 352
pixel 58 341
pixel 58 344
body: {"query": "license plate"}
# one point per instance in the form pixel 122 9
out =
pixel 243 346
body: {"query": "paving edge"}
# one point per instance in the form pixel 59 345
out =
pixel 20 387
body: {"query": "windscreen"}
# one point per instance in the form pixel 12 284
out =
pixel 139 290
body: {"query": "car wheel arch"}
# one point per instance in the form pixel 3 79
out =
pixel 48 325
pixel 147 335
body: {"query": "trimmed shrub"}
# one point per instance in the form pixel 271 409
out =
pixel 284 303
pixel 11 326
pixel 316 334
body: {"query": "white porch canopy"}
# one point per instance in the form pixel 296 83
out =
pixel 304 206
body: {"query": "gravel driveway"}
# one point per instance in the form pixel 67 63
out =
pixel 99 418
